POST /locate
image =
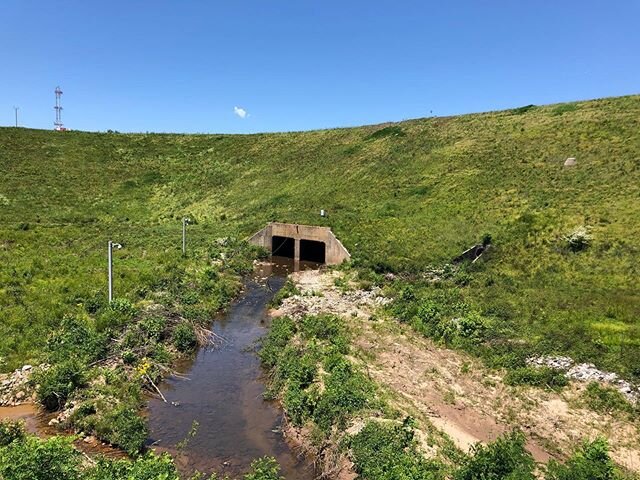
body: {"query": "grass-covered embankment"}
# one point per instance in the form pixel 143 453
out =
pixel 402 197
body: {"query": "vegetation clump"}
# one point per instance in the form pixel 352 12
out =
pixel 312 376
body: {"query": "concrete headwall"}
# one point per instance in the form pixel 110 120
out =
pixel 335 253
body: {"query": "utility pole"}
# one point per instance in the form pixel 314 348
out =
pixel 110 266
pixel 185 222
pixel 16 109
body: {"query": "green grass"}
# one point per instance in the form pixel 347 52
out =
pixel 402 197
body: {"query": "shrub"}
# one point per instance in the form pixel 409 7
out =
pixel 428 311
pixel 124 428
pixel 537 376
pixel 147 467
pixel 265 468
pixel 591 461
pixel 154 327
pixel 606 399
pixel 58 382
pixel 75 338
pixel 390 131
pixel 35 459
pixel 506 458
pixel 470 329
pixel 324 327
pixel 405 306
pixel 184 337
pixel 119 312
pixel 387 452
pixel 289 289
pixel 522 110
pixel 10 431
pixel 347 391
pixel 562 109
pixel 281 331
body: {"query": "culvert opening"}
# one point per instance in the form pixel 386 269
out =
pixel 283 246
pixel 312 251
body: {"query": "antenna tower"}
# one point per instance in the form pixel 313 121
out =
pixel 58 108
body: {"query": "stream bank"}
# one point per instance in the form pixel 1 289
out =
pixel 222 392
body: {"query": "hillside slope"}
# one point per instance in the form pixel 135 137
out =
pixel 401 197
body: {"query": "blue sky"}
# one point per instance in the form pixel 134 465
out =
pixel 184 66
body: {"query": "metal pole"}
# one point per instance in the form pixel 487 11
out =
pixel 110 263
pixel 16 109
pixel 184 237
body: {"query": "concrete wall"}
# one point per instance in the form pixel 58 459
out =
pixel 335 252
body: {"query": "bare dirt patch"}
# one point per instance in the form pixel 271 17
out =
pixel 454 392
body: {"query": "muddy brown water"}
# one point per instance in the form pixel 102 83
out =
pixel 223 393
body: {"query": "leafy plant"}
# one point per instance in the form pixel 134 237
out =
pixel 591 461
pixel 537 376
pixel 35 459
pixel 506 459
pixel 388 451
pixel 606 399
pixel 58 382
pixel 184 337
pixel 265 468
pixel 10 431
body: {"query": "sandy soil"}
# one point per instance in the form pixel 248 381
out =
pixel 454 392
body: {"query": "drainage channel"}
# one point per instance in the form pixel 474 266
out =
pixel 223 394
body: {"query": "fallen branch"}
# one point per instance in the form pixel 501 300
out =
pixel 157 389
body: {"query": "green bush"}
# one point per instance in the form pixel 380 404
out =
pixel 537 376
pixel 58 382
pixel 265 468
pixel 281 332
pixel 147 467
pixel 184 337
pixel 328 328
pixel 289 289
pixel 119 312
pixel 606 399
pixel 35 459
pixel 388 452
pixel 75 337
pixel 154 328
pixel 504 459
pixel 124 428
pixel 10 431
pixel 347 391
pixel 591 461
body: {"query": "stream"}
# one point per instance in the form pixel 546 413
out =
pixel 223 393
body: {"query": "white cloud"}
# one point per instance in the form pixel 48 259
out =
pixel 241 112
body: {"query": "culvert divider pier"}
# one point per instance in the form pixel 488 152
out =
pixel 301 242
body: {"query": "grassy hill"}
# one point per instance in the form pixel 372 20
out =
pixel 401 197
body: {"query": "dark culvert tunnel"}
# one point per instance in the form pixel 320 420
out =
pixel 283 246
pixel 312 251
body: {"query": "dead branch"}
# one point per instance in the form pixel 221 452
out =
pixel 156 388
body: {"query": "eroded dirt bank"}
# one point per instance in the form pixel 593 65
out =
pixel 453 392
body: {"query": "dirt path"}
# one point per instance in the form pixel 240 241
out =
pixel 454 392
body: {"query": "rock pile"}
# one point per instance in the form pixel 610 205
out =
pixel 15 388
pixel 351 303
pixel 587 372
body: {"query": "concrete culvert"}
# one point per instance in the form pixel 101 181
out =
pixel 301 242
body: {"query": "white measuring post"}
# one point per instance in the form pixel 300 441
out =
pixel 110 266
